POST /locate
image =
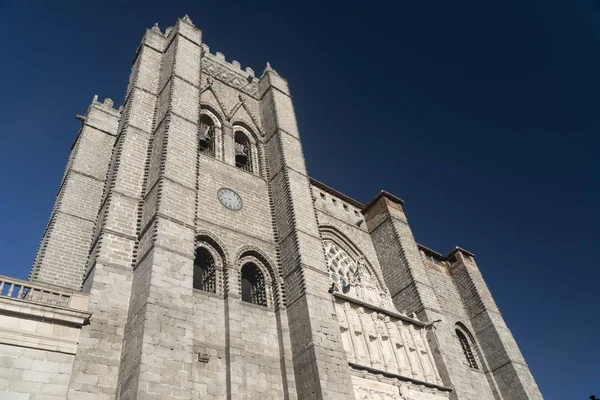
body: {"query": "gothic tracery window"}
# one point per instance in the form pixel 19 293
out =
pixel 340 265
pixel 243 151
pixel 253 285
pixel 466 348
pixel 204 271
pixel 206 135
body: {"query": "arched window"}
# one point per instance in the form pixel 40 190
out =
pixel 341 267
pixel 253 285
pixel 243 151
pixel 466 348
pixel 204 271
pixel 206 136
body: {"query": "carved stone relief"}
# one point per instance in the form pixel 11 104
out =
pixel 370 394
pixel 225 74
pixel 352 278
pixel 376 340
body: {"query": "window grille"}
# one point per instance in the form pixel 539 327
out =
pixel 243 152
pixel 204 271
pixel 467 350
pixel 253 285
pixel 206 136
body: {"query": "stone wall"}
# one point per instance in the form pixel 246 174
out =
pixel 139 197
pixel 39 333
pixel 29 374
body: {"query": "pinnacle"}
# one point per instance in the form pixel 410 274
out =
pixel 268 68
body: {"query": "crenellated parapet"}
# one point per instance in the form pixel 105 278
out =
pixel 231 73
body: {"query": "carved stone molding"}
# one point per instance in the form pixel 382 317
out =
pixel 379 342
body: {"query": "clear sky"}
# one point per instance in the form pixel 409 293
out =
pixel 482 115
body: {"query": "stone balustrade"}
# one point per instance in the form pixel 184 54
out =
pixel 27 291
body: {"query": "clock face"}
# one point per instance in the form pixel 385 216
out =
pixel 230 199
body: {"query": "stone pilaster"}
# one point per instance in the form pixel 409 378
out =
pixel 158 352
pixel 109 277
pixel 62 257
pixel 503 357
pixel 319 361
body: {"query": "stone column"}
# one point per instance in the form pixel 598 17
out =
pixel 62 257
pixel 158 353
pixel 503 357
pixel 320 363
pixel 113 253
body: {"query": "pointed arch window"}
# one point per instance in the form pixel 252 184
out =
pixel 204 271
pixel 206 135
pixel 467 349
pixel 340 265
pixel 253 285
pixel 243 151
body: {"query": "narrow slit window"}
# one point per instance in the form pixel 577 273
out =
pixel 467 350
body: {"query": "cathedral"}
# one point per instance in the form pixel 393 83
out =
pixel 189 255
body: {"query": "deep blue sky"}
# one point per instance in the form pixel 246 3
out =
pixel 482 115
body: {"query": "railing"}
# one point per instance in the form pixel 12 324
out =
pixel 23 290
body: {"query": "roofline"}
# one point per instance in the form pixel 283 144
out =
pixel 456 249
pixel 447 256
pixel 365 207
pixel 428 250
pixel 378 196
pixel 335 193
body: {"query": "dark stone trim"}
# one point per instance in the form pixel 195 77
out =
pixel 459 249
pixel 379 195
pixel 427 250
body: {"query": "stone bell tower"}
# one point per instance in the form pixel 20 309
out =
pixel 190 256
pixel 202 155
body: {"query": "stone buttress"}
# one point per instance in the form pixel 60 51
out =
pixel 320 363
pixel 62 256
pixel 423 290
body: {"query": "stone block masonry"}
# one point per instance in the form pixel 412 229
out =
pixel 147 285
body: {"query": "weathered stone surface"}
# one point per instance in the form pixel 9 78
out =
pixel 191 299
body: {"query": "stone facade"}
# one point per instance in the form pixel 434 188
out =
pixel 199 260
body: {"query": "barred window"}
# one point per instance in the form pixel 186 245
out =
pixel 243 151
pixel 467 350
pixel 253 285
pixel 206 136
pixel 204 271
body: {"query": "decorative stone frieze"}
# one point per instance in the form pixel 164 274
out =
pixel 375 339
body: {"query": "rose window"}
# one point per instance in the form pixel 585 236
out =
pixel 340 266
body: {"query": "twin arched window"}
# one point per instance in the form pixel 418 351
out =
pixel 465 343
pixel 253 281
pixel 208 143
